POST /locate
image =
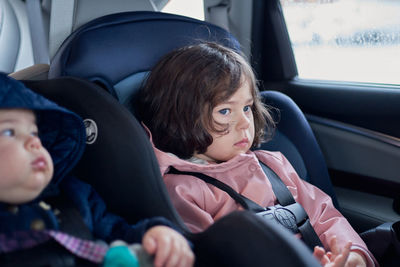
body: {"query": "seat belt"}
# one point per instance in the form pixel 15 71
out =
pixel 61 23
pixel 218 13
pixel 281 213
pixel 37 31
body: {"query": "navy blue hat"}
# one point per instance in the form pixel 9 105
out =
pixel 61 131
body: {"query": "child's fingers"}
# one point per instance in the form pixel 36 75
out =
pixel 319 254
pixel 175 254
pixel 170 249
pixel 188 259
pixel 180 253
pixel 163 250
pixel 149 244
pixel 178 256
pixel 334 247
pixel 346 250
pixel 340 259
pixel 156 242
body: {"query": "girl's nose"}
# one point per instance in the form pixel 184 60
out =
pixel 243 121
pixel 33 142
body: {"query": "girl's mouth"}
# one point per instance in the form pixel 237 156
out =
pixel 242 143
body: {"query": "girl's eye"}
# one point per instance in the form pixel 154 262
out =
pixel 8 132
pixel 224 111
pixel 247 108
pixel 35 133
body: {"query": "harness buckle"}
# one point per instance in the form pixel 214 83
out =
pixel 291 216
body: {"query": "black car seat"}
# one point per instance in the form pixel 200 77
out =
pixel 104 118
pixel 120 164
pixel 118 51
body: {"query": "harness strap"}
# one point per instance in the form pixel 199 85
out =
pixel 242 200
pixel 286 198
pixel 283 195
pixel 281 192
pixel 309 235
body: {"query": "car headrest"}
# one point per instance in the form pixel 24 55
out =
pixel 117 51
pixel 119 161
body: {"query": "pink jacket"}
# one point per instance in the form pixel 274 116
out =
pixel 200 204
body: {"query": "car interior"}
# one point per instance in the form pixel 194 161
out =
pixel 79 57
pixel 94 61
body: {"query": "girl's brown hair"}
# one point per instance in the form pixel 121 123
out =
pixel 181 91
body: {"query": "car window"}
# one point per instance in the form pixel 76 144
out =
pixel 189 8
pixel 345 40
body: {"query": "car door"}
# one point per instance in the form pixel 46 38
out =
pixel 339 61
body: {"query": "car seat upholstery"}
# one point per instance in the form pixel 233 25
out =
pixel 296 140
pixel 118 51
pixel 120 164
pixel 114 155
pixel 70 15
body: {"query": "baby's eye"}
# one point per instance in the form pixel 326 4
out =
pixel 8 132
pixel 35 133
pixel 224 111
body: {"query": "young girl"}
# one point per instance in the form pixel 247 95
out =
pixel 201 105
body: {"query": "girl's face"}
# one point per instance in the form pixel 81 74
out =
pixel 25 165
pixel 237 113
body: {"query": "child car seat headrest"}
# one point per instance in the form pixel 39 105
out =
pixel 118 50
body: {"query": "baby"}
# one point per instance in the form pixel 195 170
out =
pixel 40 142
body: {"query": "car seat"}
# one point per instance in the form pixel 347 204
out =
pixel 104 117
pixel 120 164
pixel 118 51
pixel 295 139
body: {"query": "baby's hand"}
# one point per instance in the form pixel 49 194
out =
pixel 336 258
pixel 168 247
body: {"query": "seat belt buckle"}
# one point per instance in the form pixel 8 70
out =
pixel 281 215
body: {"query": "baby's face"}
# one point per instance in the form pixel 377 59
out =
pixel 26 167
